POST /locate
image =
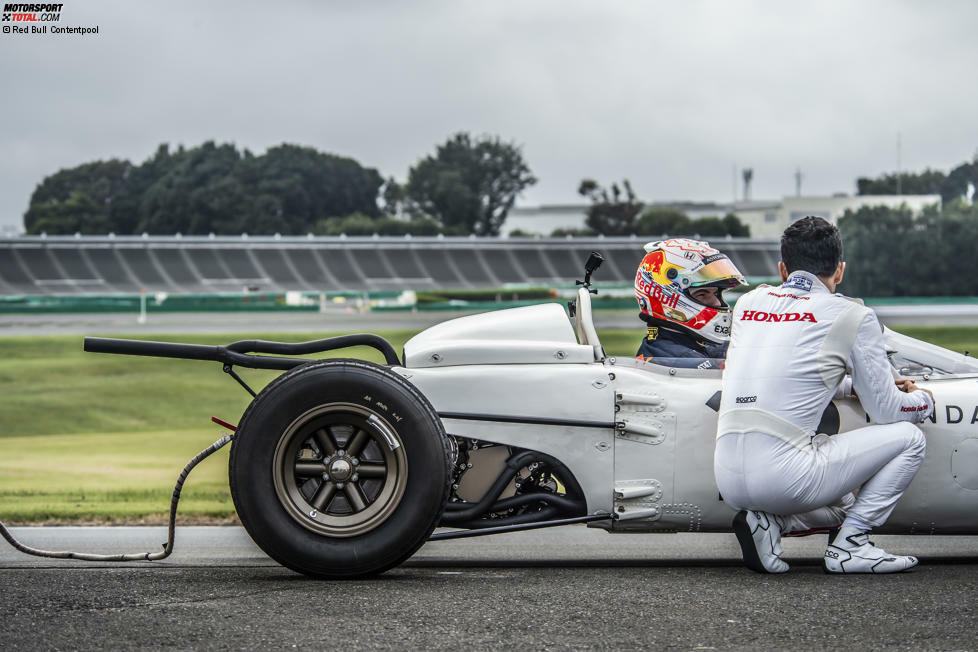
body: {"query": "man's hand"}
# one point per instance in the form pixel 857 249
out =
pixel 908 386
pixel 905 385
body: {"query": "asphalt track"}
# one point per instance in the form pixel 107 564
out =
pixel 564 588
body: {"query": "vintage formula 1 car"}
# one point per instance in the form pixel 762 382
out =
pixel 517 419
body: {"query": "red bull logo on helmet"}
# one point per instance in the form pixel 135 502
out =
pixel 646 286
pixel 667 299
pixel 653 262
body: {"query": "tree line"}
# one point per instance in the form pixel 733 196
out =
pixel 950 186
pixel 205 189
pixel 889 252
pixel 617 211
pixel 467 186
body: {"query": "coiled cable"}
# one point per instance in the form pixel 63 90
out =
pixel 140 556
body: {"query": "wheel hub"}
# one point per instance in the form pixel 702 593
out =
pixel 340 470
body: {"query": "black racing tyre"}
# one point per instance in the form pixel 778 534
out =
pixel 340 469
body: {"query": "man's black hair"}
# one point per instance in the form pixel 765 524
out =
pixel 811 245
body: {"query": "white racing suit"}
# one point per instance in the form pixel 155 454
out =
pixel 790 350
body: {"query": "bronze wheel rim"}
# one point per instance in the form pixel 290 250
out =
pixel 340 470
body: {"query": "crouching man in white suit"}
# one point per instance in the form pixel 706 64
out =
pixel 791 348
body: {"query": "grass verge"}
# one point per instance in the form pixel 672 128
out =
pixel 121 477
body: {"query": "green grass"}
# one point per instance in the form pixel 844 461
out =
pixel 48 386
pixel 115 477
pixel 87 437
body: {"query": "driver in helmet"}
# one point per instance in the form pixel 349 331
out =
pixel 679 288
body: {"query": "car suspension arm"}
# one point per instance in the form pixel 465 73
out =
pixel 461 534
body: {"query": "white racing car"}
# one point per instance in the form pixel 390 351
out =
pixel 517 419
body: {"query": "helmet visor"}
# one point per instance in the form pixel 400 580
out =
pixel 718 272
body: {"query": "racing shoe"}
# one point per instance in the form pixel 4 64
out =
pixel 759 535
pixel 853 552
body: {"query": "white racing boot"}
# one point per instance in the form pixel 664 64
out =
pixel 759 535
pixel 853 552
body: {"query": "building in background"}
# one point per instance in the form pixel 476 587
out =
pixel 770 219
pixel 767 218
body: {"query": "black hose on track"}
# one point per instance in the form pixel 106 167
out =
pixel 139 556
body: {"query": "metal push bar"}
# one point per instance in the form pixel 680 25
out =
pixel 236 353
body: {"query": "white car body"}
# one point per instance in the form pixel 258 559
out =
pixel 639 437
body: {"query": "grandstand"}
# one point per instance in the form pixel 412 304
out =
pixel 201 265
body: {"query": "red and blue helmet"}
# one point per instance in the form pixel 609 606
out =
pixel 673 268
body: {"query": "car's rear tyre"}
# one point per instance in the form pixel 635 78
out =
pixel 340 469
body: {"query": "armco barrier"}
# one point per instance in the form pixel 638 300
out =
pixel 311 302
pixel 154 303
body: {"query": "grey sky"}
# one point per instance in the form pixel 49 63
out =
pixel 668 94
